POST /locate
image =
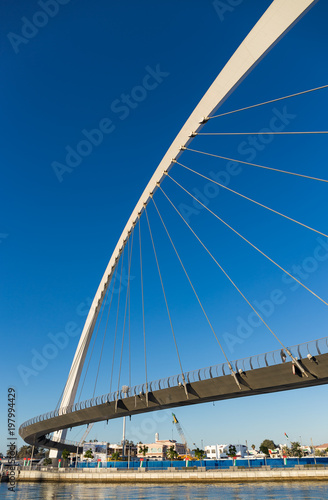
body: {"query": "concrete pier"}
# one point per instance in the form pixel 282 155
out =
pixel 142 476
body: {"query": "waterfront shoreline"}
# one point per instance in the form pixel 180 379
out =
pixel 166 477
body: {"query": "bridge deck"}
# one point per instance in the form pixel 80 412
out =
pixel 265 380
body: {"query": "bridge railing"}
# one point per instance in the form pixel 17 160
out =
pixel 306 350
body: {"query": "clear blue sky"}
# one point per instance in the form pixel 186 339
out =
pixel 57 231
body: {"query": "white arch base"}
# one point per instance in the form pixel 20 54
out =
pixel 273 25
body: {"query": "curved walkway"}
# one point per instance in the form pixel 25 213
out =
pixel 260 374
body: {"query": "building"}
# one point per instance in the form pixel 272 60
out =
pixel 321 448
pixel 217 451
pixel 130 449
pixel 158 449
pixel 307 450
pixel 98 450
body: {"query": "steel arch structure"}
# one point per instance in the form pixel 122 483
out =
pixel 271 27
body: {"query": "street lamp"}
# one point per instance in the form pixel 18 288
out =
pixel 125 390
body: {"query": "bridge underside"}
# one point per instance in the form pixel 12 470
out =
pixel 258 381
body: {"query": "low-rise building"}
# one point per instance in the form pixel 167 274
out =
pixel 114 448
pixel 130 449
pixel 321 447
pixel 307 450
pixel 98 450
pixel 159 448
pixel 217 451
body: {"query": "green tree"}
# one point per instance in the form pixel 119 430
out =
pixel 116 456
pixel 65 456
pixel 88 454
pixel 47 461
pixel 295 449
pixel 143 449
pixel 26 452
pixel 267 445
pixel 171 453
pixel 199 454
pixel 232 452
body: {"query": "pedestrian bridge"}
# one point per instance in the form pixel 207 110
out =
pixel 217 262
pixel 260 374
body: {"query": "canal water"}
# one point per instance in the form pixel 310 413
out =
pixel 240 491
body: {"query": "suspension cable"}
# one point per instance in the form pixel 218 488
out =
pixel 143 313
pixel 262 133
pixel 268 102
pixel 94 342
pixel 233 283
pixel 103 342
pixel 125 312
pixel 247 241
pixel 250 199
pixel 167 306
pixel 255 165
pixel 129 312
pixel 118 309
pixel 75 362
pixel 196 295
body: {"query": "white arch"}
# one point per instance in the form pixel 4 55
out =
pixel 273 25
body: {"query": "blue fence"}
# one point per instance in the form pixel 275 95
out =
pixel 209 464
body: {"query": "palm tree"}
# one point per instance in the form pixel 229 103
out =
pixel 143 449
pixel 25 451
pixel 65 456
pixel 116 456
pixel 199 454
pixel 171 453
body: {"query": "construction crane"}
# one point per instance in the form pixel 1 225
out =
pixel 88 429
pixel 181 433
